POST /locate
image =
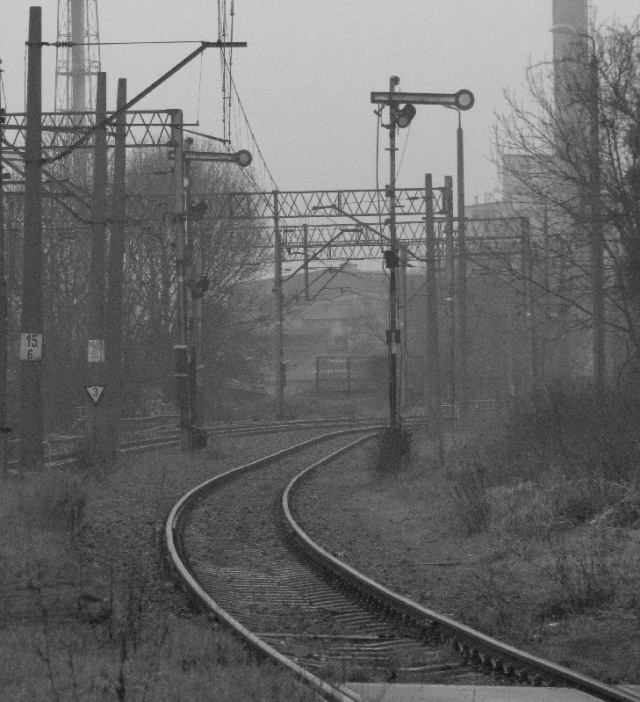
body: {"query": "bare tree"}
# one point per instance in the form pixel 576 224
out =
pixel 579 127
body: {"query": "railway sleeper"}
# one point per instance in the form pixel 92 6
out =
pixel 430 633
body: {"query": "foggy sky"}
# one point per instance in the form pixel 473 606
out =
pixel 307 74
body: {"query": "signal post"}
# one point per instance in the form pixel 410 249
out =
pixel 402 110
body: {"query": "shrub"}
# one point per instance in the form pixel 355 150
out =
pixel 469 491
pixel 55 501
pixel 588 569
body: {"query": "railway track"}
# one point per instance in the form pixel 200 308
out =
pixel 236 546
pixel 62 450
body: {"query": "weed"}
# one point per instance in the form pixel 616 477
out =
pixel 587 570
pixel 469 491
pixel 56 501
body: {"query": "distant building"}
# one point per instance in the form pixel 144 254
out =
pixel 347 318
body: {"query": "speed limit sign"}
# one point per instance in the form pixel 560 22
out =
pixel 30 347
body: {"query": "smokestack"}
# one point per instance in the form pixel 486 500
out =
pixel 570 52
pixel 79 69
pixel 573 14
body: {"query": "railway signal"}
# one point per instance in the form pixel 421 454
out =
pixel 189 369
pixel 400 117
pixel 405 114
pixel 241 158
pixel 462 100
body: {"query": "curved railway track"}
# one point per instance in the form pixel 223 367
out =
pixel 236 546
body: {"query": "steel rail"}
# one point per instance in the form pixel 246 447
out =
pixel 179 561
pixel 66 455
pixel 476 648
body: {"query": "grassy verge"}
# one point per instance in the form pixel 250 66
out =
pixel 509 535
pixel 557 487
pixel 86 612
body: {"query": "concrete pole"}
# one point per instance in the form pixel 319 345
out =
pixel 597 238
pixel 189 257
pixel 450 293
pixel 197 303
pixel 432 371
pixel 277 291
pixel 181 348
pixel 96 372
pixel 463 334
pixel 404 294
pixel 4 322
pixel 305 252
pixel 113 398
pixel 31 340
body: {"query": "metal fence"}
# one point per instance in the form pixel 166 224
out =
pixel 350 374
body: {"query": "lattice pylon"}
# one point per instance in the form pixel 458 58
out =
pixel 78 65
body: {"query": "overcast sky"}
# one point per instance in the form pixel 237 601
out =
pixel 306 76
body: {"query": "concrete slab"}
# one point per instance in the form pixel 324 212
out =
pixel 380 692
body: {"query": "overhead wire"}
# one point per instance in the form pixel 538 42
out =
pixel 237 129
pixel 404 149
pixel 199 91
pixel 3 94
pixel 252 134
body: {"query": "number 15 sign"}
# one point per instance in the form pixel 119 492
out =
pixel 31 347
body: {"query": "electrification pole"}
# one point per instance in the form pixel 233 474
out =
pixel 432 376
pixel 113 332
pixel 31 337
pixel 305 253
pixel 463 334
pixel 191 302
pixel 181 348
pixel 450 293
pixel 405 376
pixel 597 238
pixel 96 426
pixel 4 311
pixel 277 291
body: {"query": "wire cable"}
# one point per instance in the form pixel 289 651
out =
pixel 404 149
pixel 199 90
pixel 253 137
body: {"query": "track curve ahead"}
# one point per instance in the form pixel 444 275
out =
pixel 230 540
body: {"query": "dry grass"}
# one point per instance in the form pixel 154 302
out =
pixel 111 637
pixel 561 460
pixel 557 488
pixel 177 660
pixel 468 480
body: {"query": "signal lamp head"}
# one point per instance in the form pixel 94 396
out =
pixel 405 114
pixel 464 99
pixel 243 158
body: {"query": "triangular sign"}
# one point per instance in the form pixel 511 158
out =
pixel 95 392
